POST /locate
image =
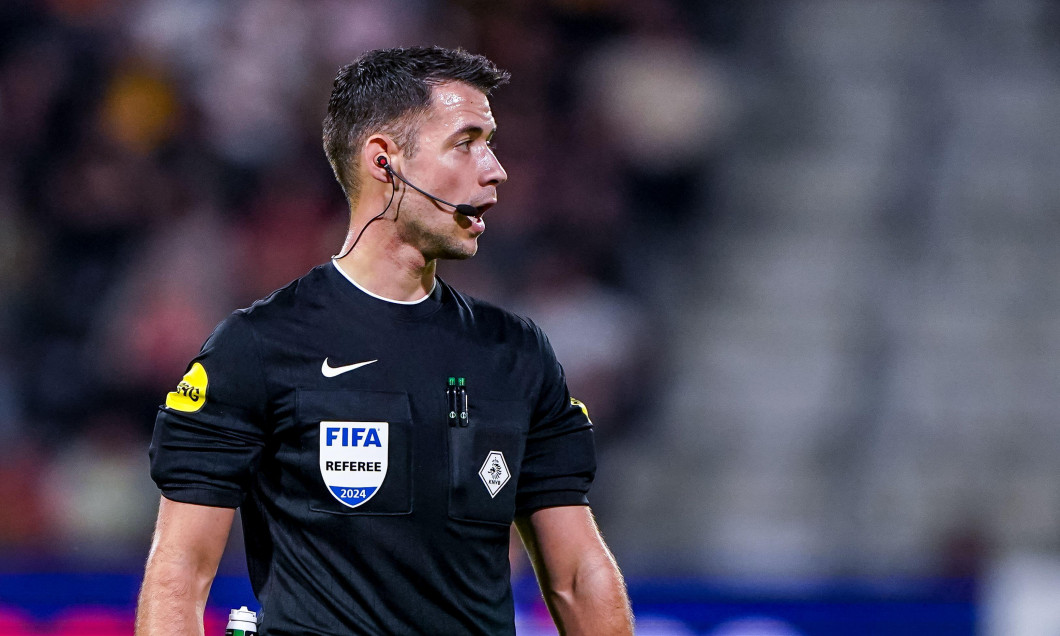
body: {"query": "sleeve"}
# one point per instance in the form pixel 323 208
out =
pixel 560 459
pixel 208 435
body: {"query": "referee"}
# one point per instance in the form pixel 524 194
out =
pixel 378 430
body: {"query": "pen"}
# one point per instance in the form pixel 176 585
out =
pixel 465 417
pixel 451 402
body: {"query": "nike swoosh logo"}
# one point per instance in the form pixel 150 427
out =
pixel 330 371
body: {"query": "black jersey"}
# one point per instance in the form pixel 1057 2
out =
pixel 378 453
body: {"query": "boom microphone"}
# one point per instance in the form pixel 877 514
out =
pixel 463 208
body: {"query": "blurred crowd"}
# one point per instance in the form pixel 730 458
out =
pixel 161 165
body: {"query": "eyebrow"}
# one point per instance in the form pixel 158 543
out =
pixel 472 129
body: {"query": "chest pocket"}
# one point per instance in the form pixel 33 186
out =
pixel 356 454
pixel 485 458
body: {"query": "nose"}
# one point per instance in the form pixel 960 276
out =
pixel 493 172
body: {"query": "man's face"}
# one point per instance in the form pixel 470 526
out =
pixel 454 161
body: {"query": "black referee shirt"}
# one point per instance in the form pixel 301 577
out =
pixel 326 415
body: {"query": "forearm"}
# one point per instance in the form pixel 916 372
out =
pixel 595 602
pixel 172 600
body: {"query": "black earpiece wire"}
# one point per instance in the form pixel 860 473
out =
pixel 393 192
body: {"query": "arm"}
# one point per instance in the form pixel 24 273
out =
pixel 188 543
pixel 579 578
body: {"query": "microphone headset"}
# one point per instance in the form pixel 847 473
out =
pixel 381 161
pixel 463 208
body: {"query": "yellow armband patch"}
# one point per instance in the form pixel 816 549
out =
pixel 579 404
pixel 190 394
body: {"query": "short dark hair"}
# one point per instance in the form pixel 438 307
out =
pixel 387 91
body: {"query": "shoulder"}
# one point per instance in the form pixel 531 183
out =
pixel 249 328
pixel 493 318
pixel 299 293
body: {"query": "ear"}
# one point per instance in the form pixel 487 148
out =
pixel 374 147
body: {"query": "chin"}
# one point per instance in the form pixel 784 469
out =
pixel 461 254
pixel 439 245
pixel 456 251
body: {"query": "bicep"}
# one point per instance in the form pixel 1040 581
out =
pixel 579 578
pixel 188 543
pixel 190 537
pixel 561 541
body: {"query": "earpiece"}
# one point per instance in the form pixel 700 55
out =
pixel 382 162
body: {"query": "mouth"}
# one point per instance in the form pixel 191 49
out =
pixel 478 225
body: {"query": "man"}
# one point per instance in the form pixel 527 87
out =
pixel 378 430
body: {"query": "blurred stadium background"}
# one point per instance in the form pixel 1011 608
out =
pixel 799 258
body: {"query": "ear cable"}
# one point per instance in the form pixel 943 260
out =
pixel 393 191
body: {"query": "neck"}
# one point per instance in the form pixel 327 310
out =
pixel 386 266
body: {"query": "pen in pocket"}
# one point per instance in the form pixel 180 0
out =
pixel 451 402
pixel 465 417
